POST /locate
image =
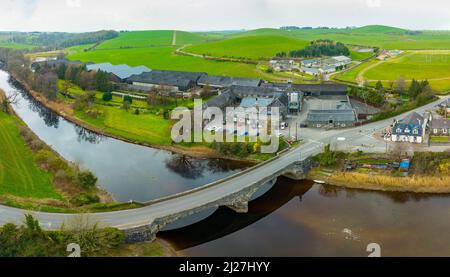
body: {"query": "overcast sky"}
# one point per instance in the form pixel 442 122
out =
pixel 195 15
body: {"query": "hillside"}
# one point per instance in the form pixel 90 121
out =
pixel 251 47
pixel 138 39
pixel 378 29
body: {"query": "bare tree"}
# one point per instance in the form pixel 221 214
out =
pixel 400 87
pixel 7 100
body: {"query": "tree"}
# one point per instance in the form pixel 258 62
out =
pixel 87 179
pixel 206 92
pixel 379 86
pixel 126 105
pixel 102 82
pixel 400 85
pixel 107 96
pixel 6 101
pixel 128 98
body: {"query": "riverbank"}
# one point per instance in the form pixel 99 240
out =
pixel 66 111
pixel 427 172
pixel 35 177
pixel 366 181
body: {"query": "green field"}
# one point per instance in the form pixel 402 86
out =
pixel 4 44
pixel 140 39
pixel 431 65
pixel 163 58
pixel 251 47
pixel 19 175
pixel 146 127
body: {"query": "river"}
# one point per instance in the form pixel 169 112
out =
pixel 293 218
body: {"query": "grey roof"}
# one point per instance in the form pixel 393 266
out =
pixel 440 123
pixel 249 102
pixel 413 118
pixel 122 71
pixel 311 87
pixel 310 69
pixel 223 81
pixel 335 115
pixel 167 77
pixel 249 95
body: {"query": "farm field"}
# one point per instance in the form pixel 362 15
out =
pixel 163 58
pixel 139 39
pixel 19 175
pixel 431 65
pixel 251 47
pixel 373 35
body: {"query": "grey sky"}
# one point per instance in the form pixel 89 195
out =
pixel 88 15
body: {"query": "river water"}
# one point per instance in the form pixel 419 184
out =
pixel 293 218
pixel 127 171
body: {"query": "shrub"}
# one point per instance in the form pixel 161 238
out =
pixel 85 199
pixel 107 96
pixel 87 179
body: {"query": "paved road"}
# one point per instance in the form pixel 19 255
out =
pixel 145 215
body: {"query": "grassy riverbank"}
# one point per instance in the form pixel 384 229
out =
pixel 429 172
pixel 34 177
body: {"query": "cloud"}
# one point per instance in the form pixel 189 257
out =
pixel 73 3
pixel 373 3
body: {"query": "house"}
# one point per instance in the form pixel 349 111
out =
pixel 410 129
pixel 327 69
pixel 282 65
pixel 122 71
pixel 310 71
pixel 220 82
pixel 173 80
pixel 310 63
pixel 440 127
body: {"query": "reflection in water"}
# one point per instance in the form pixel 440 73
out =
pixel 185 166
pixel 88 136
pixel 225 221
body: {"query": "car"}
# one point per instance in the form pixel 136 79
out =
pixel 303 125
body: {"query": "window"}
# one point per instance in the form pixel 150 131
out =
pixel 435 131
pixel 415 132
pixel 399 130
pixel 444 131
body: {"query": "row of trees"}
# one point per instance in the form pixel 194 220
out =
pixel 87 80
pixel 320 48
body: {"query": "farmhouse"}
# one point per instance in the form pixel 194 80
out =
pixel 226 82
pixel 410 129
pixel 283 65
pixel 440 127
pixel 310 71
pixel 173 80
pixel 122 71
pixel 331 112
pixel 310 63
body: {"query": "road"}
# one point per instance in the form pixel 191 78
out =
pixel 138 217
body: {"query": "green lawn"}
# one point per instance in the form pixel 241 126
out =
pixel 19 175
pixel 146 127
pixel 251 47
